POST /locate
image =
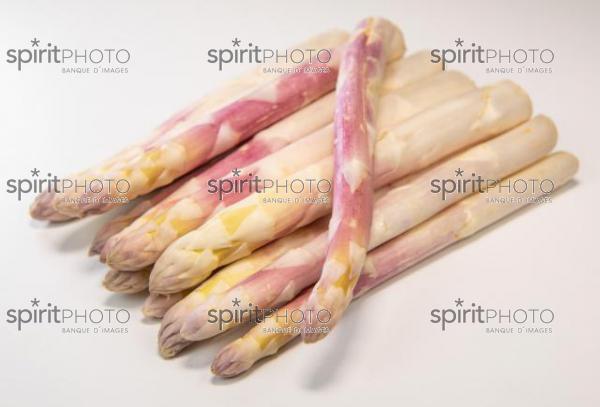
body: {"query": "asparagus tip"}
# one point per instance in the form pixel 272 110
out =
pixel 42 209
pixel 170 347
pixel 167 352
pixel 95 248
pixel 126 282
pixel 314 330
pixel 195 327
pixel 157 305
pixel 152 309
pixel 152 312
pixel 229 363
pixel 170 342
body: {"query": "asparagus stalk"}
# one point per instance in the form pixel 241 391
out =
pixel 126 282
pixel 140 244
pixel 357 90
pixel 394 213
pixel 190 139
pixel 418 142
pixel 454 224
pixel 170 342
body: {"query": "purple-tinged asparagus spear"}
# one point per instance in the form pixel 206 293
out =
pixel 361 70
pixel 190 139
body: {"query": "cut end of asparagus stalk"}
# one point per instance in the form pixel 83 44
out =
pixel 126 282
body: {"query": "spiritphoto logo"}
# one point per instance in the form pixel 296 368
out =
pixel 71 320
pixel 252 53
pixel 38 183
pixel 520 320
pixel 464 183
pixel 243 184
pixel 518 60
pixel 288 320
pixel 71 60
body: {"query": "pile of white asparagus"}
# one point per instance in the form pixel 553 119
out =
pixel 377 125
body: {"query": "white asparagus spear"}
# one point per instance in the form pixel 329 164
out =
pixel 260 218
pixel 456 223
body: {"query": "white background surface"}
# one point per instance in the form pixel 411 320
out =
pixel 385 348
